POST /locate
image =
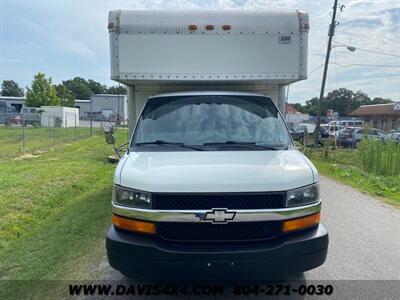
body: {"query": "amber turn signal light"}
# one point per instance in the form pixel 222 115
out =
pixel 301 223
pixel 133 225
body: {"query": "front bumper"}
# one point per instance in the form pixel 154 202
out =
pixel 142 257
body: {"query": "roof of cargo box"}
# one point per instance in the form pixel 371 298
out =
pixel 208 93
pixel 163 21
pixel 150 46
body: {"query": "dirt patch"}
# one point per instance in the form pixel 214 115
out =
pixel 26 156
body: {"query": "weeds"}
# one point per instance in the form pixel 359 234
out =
pixel 379 158
pixel 374 167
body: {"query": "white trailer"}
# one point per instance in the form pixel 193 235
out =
pixel 153 52
pixel 59 116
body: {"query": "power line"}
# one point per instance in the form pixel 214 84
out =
pixel 317 68
pixel 377 52
pixel 366 65
pixel 349 66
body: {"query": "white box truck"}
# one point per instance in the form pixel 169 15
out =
pixel 212 186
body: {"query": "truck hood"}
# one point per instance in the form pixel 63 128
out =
pixel 215 171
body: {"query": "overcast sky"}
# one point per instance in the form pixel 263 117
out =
pixel 69 38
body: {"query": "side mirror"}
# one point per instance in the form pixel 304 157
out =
pixel 109 134
pixel 110 137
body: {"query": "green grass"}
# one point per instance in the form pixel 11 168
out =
pixel 345 165
pixel 14 140
pixel 379 158
pixel 54 209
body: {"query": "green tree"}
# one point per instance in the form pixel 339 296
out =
pixel 116 90
pixel 96 87
pixel 41 92
pixel 380 100
pixel 79 87
pixel 300 108
pixel 343 101
pixel 312 106
pixel 11 88
pixel 67 98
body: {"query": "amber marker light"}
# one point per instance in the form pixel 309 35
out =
pixel 133 225
pixel 301 223
pixel 209 27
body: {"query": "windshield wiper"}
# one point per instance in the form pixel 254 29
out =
pixel 161 142
pixel 248 144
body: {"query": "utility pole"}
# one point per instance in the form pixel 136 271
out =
pixel 331 33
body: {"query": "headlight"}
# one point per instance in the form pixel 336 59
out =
pixel 132 198
pixel 303 196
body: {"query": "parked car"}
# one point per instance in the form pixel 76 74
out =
pixel 16 119
pixel 30 116
pixel 352 136
pixel 7 114
pixel 393 136
pixel 95 116
pixel 333 129
pixel 297 132
pixel 347 123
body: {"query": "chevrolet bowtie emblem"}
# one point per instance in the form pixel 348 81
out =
pixel 219 216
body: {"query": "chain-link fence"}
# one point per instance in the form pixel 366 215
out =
pixel 32 132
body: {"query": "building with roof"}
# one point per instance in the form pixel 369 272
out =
pixel 381 116
pixel 16 102
pixel 293 116
pixel 290 109
pixel 101 106
pixel 107 106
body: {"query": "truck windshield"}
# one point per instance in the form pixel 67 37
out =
pixel 209 121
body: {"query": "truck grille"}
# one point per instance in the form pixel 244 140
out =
pixel 209 201
pixel 207 232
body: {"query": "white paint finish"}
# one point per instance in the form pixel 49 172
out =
pixel 158 46
pixel 118 170
pixel 215 171
pixel 208 55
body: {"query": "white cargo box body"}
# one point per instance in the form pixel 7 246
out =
pixel 155 52
pixel 249 46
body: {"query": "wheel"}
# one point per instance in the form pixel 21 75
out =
pixel 356 144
